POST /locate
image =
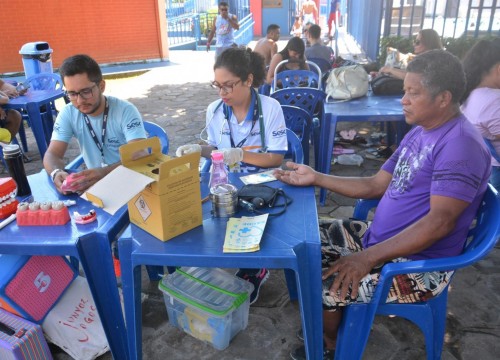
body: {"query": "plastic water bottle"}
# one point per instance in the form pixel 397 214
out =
pixel 14 159
pixel 218 172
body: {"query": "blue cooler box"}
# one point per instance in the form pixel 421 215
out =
pixel 21 339
pixel 31 285
pixel 207 303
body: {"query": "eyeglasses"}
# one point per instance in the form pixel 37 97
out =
pixel 416 42
pixel 85 94
pixel 226 88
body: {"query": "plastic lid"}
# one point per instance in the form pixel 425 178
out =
pixel 11 149
pixel 217 156
pixel 209 289
pixel 35 48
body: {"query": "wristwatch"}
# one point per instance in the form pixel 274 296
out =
pixel 54 173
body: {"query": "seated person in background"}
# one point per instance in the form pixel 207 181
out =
pixel 294 53
pixel 430 190
pixel 426 39
pixel 317 49
pixel 481 102
pixel 238 124
pixel 268 46
pixel 10 120
pixel 297 27
pixel 100 123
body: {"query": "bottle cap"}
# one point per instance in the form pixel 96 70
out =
pixel 11 149
pixel 217 155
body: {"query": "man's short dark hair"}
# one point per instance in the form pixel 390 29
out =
pixel 440 71
pixel 223 3
pixel 81 64
pixel 272 27
pixel 315 31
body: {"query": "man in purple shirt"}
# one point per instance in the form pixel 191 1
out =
pixel 430 190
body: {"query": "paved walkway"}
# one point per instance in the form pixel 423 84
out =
pixel 176 96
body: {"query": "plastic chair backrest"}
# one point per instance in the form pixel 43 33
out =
pixel 45 81
pixel 300 122
pixel 304 98
pixel 297 78
pixel 152 129
pixel 492 149
pixel 323 64
pixel 430 315
pixel 295 147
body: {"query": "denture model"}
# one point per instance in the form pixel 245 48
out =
pixel 86 218
pixel 8 201
pixel 45 214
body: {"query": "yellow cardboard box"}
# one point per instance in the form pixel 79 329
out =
pixel 171 205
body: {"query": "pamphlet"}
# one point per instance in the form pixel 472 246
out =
pixel 244 234
pixel 258 178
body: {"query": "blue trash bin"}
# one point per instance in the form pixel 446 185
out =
pixel 37 58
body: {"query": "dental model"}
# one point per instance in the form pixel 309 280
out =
pixel 8 202
pixel 86 218
pixel 47 213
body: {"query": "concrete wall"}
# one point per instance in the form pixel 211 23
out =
pixel 111 31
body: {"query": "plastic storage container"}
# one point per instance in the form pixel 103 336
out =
pixel 37 58
pixel 207 303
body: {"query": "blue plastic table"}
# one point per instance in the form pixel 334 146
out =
pixel 290 241
pixel 88 243
pixel 366 108
pixel 31 102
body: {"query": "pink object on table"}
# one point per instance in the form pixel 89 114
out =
pixel 67 184
pixel 36 215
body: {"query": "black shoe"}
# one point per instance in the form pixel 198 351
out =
pixel 256 280
pixel 300 353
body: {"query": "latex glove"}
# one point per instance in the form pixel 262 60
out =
pixel 232 155
pixel 187 149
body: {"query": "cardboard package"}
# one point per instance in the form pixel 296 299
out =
pixel 171 205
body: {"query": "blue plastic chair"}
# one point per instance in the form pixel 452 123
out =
pixel 300 122
pixel 295 147
pixel 430 316
pixel 325 67
pixel 493 151
pixel 297 78
pixel 310 100
pixel 152 129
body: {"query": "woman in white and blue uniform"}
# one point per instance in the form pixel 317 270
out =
pixel 247 127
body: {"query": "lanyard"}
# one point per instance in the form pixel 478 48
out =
pixel 99 145
pixel 257 115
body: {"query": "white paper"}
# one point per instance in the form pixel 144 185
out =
pixel 118 187
pixel 258 178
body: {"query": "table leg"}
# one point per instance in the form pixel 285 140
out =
pixel 131 282
pixel 327 140
pixel 311 310
pixel 95 256
pixel 37 127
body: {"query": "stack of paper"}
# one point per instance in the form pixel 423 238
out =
pixel 244 234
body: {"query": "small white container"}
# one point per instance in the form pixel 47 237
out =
pixel 207 303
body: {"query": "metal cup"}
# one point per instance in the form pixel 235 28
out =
pixel 224 200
